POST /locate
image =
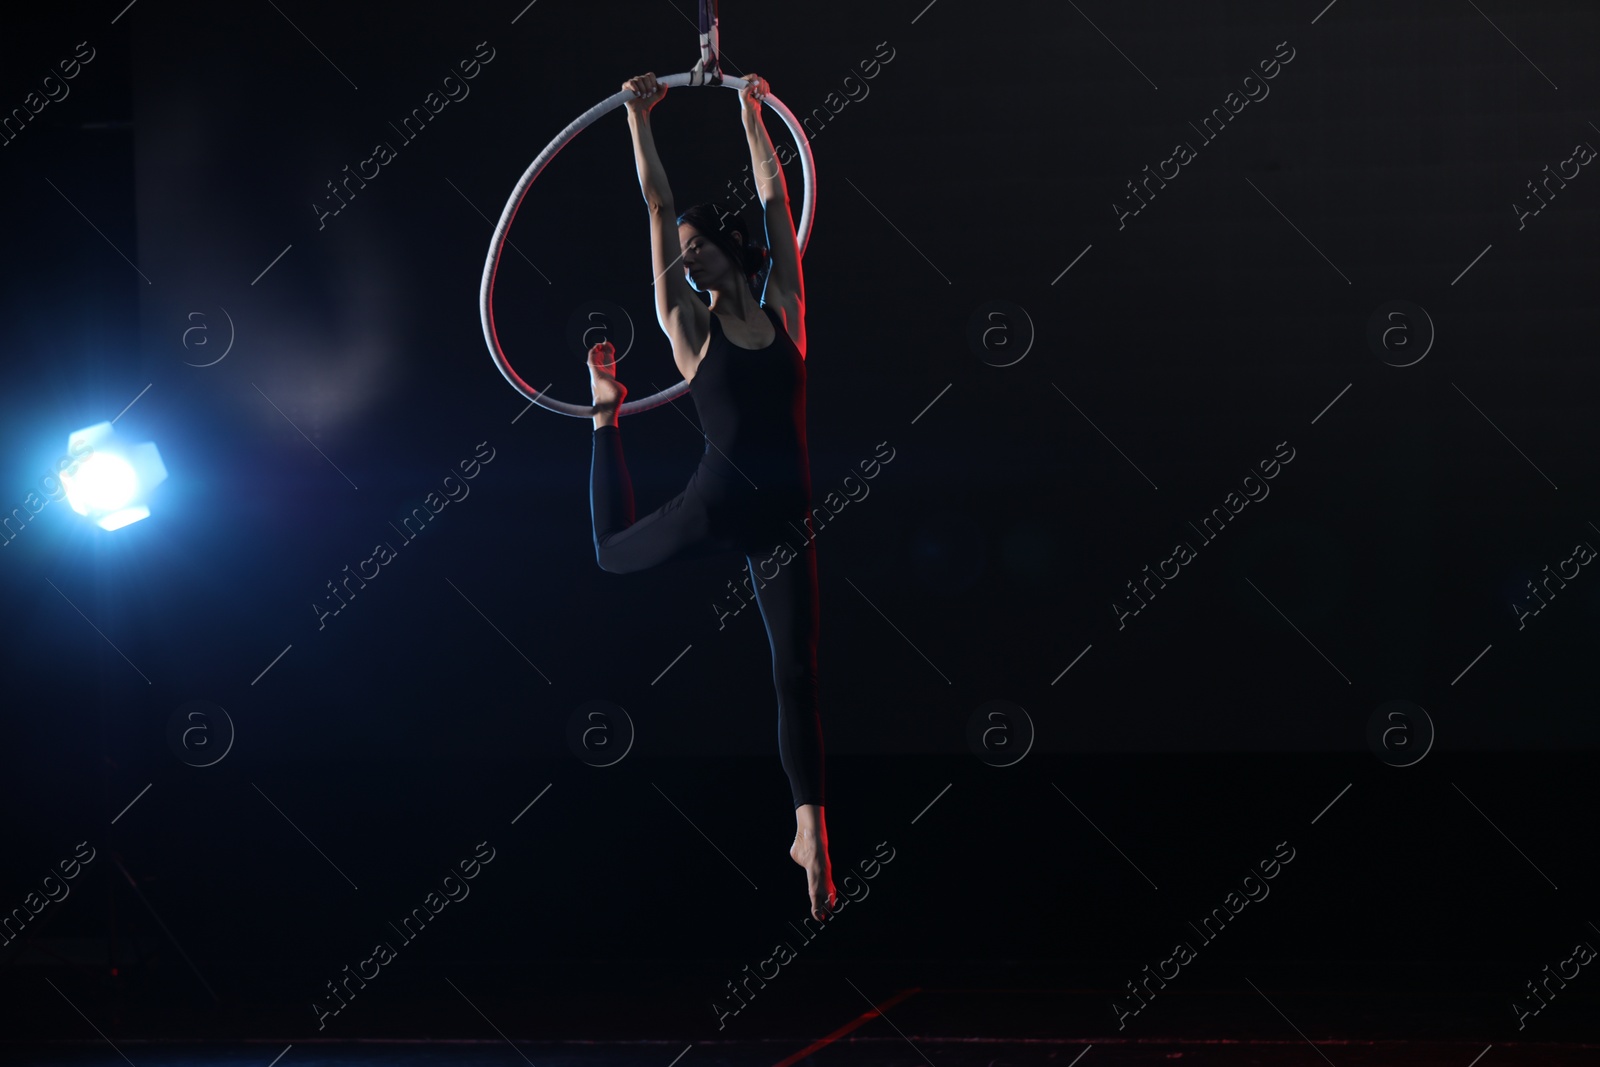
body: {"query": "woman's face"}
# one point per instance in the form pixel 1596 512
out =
pixel 704 264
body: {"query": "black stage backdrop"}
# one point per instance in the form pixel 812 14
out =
pixel 1201 399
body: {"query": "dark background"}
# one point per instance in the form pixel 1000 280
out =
pixel 1172 356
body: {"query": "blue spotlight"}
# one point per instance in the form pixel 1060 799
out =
pixel 112 483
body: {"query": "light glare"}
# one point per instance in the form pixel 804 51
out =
pixel 111 481
pixel 105 482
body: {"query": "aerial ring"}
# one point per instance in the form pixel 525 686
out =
pixel 497 244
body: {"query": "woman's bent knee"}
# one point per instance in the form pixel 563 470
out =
pixel 608 561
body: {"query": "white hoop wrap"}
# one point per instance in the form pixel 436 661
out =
pixel 491 265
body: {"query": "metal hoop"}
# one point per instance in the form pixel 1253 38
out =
pixel 497 244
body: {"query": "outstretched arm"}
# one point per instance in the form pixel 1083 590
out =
pixel 785 275
pixel 676 303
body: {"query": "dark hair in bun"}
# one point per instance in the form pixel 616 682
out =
pixel 718 225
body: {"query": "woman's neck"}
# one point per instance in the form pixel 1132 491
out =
pixel 732 304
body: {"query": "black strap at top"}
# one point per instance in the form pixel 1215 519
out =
pixel 708 71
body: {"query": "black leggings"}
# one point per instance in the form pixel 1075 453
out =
pixel 704 520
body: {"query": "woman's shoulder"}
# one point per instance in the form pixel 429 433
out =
pixel 787 313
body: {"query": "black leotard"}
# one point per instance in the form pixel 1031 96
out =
pixel 750 491
pixel 752 406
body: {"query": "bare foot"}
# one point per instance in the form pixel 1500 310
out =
pixel 810 850
pixel 607 392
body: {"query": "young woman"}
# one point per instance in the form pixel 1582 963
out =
pixel 744 356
